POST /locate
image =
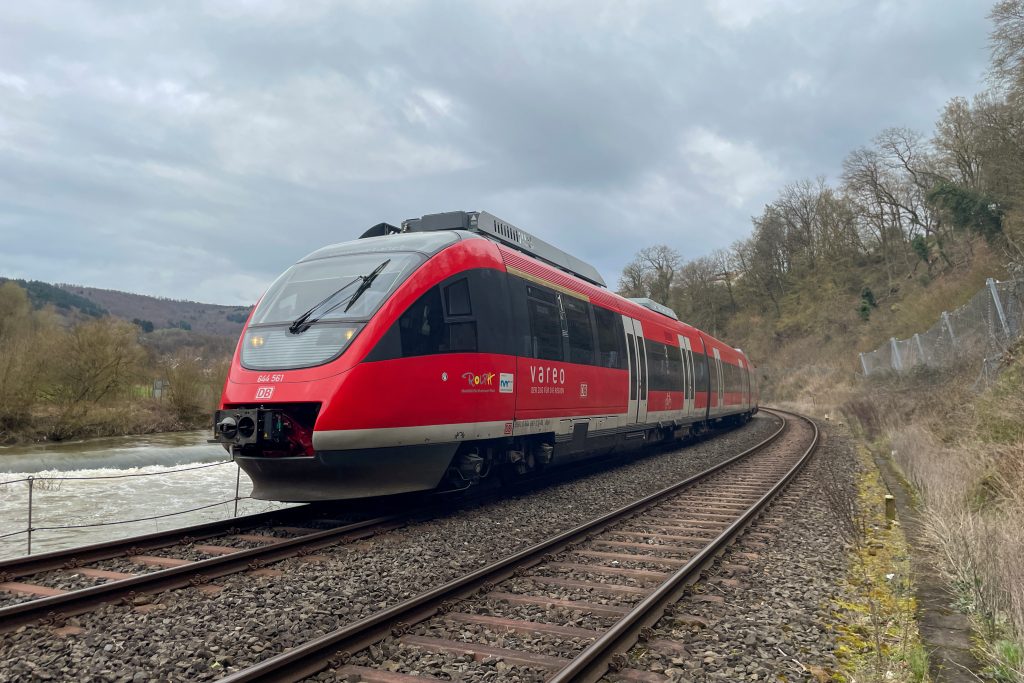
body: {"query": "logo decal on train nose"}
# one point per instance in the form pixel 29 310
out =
pixel 264 393
pixel 483 379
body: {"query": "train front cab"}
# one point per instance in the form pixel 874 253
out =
pixel 380 410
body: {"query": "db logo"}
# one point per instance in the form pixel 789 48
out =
pixel 264 393
pixel 583 389
pixel 508 429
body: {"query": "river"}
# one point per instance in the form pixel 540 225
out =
pixel 84 483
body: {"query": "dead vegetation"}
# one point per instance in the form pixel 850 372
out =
pixel 94 378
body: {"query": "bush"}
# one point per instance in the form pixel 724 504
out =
pixel 95 361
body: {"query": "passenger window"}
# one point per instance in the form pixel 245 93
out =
pixel 545 324
pixel 581 333
pixel 610 344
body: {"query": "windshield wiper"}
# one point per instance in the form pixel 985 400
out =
pixel 297 325
pixel 365 285
pixel 303 322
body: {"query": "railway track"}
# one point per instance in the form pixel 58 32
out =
pixel 568 608
pixel 56 585
pixel 64 583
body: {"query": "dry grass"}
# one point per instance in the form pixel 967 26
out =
pixel 964 455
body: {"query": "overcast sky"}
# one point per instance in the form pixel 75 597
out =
pixel 196 149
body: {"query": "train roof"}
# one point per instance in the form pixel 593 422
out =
pixel 490 226
pixel 425 243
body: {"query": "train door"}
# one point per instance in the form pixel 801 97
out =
pixel 720 401
pixel 745 387
pixel 637 354
pixel 688 380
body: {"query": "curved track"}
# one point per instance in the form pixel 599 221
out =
pixel 643 555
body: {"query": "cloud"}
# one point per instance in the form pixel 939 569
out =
pixel 321 131
pixel 736 172
pixel 197 154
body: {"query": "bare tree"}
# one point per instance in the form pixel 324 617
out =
pixel 24 341
pixel 956 140
pixel 1007 42
pixel 97 358
pixel 651 273
pixel 634 280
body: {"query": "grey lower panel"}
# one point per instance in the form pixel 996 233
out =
pixel 340 475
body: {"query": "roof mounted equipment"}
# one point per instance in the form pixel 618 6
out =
pixel 656 307
pixel 493 227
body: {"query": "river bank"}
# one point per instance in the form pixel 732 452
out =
pixel 124 419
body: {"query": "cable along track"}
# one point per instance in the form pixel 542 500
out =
pixel 614 577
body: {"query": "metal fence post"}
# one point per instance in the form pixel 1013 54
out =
pixel 897 363
pixel 949 328
pixel 238 479
pixel 920 350
pixel 999 306
pixel 31 486
pixel 864 365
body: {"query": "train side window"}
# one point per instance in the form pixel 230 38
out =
pixel 456 298
pixel 581 334
pixel 425 330
pixel 700 371
pixel 422 327
pixel 642 352
pixel 462 337
pixel 656 365
pixel 460 333
pixel 611 348
pixel 471 312
pixel 545 323
pixel 674 369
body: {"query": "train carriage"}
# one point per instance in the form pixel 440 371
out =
pixel 454 348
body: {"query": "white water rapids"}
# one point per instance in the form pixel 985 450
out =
pixel 63 493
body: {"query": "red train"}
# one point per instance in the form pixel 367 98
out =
pixel 455 348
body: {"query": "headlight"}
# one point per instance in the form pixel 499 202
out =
pixel 279 349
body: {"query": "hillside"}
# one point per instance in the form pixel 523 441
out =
pixel 211 319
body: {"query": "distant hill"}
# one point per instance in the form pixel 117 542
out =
pixel 44 294
pixel 150 313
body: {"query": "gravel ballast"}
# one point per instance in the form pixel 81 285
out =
pixel 192 635
pixel 769 608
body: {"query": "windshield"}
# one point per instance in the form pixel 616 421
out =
pixel 305 284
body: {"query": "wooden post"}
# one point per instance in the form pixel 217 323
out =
pixel 890 509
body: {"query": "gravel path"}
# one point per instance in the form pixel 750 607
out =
pixel 189 635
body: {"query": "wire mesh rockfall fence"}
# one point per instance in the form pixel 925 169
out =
pixel 979 331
